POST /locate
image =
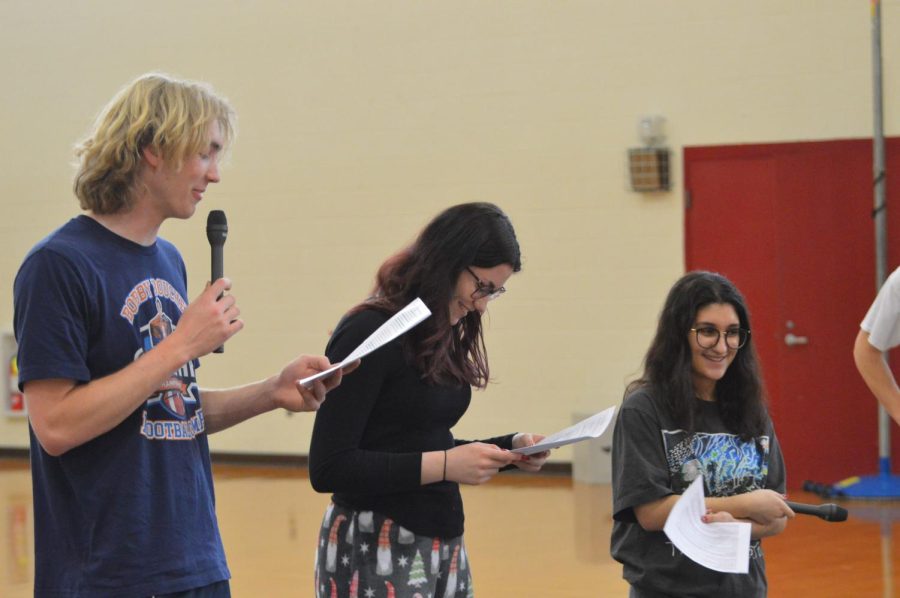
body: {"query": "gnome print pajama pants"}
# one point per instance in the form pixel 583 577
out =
pixel 362 554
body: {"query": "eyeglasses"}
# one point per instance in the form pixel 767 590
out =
pixel 708 337
pixel 483 289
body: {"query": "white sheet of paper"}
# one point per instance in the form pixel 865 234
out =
pixel 721 547
pixel 399 323
pixel 591 427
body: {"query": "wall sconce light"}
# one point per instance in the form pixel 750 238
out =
pixel 649 165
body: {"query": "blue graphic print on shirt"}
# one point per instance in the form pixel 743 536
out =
pixel 728 464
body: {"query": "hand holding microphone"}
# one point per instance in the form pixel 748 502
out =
pixel 216 233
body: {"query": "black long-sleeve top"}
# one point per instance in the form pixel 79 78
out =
pixel 371 431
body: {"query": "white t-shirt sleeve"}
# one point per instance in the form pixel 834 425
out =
pixel 882 321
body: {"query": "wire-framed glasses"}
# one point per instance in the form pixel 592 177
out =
pixel 708 336
pixel 484 289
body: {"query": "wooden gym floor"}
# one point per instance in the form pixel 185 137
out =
pixel 527 536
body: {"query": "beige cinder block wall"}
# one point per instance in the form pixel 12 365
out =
pixel 360 120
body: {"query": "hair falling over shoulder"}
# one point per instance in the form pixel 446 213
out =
pixel 465 235
pixel 740 394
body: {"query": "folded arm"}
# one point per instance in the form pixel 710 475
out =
pixel 764 509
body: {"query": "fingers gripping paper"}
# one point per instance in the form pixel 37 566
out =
pixel 400 322
pixel 720 546
pixel 591 427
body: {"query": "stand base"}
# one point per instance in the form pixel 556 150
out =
pixel 881 486
pixel 870 487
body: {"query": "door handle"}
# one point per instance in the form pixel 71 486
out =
pixel 791 339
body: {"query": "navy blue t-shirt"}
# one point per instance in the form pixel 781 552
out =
pixel 131 512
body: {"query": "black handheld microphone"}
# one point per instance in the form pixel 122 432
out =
pixel 217 232
pixel 828 512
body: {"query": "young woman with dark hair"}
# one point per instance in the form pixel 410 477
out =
pixel 698 409
pixel 383 445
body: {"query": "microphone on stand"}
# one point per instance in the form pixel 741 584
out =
pixel 829 512
pixel 217 232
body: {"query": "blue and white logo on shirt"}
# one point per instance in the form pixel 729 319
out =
pixel 172 412
pixel 729 465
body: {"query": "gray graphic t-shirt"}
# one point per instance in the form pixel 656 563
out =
pixel 653 458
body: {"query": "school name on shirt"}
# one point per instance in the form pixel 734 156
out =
pixel 146 290
pixel 173 429
pixel 756 551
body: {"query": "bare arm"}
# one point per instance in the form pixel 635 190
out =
pixel 64 414
pixel 762 507
pixel 225 408
pixel 652 515
pixel 874 369
pixel 757 530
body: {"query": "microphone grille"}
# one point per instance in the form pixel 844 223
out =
pixel 838 514
pixel 216 218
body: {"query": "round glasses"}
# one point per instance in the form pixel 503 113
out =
pixel 708 337
pixel 484 289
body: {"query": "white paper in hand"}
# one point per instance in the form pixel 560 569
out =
pixel 591 427
pixel 400 322
pixel 721 547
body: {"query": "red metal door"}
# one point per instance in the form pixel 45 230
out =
pixel 791 225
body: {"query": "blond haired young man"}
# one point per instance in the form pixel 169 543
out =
pixel 108 351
